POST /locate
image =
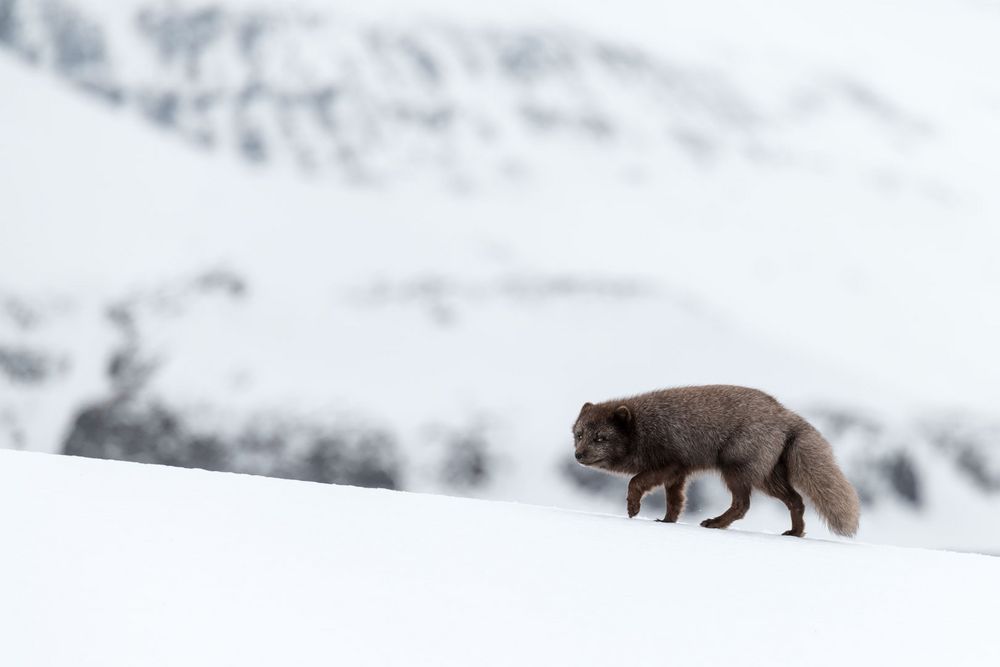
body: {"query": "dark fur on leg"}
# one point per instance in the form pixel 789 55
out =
pixel 675 499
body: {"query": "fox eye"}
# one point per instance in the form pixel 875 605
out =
pixel 577 436
pixel 599 438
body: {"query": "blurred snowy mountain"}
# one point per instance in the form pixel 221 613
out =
pixel 400 250
pixel 393 100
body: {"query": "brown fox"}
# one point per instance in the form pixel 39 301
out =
pixel 754 441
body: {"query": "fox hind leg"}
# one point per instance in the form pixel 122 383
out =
pixel 778 485
pixel 740 488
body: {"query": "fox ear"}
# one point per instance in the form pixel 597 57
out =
pixel 622 414
pixel 586 405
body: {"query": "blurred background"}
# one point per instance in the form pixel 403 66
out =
pixel 398 244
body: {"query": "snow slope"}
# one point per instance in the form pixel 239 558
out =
pixel 117 564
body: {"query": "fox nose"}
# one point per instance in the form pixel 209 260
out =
pixel 579 456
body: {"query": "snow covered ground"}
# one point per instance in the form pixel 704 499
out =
pixel 117 564
pixel 835 245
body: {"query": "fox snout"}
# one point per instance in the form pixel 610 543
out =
pixel 588 457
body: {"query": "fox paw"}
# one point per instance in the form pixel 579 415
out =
pixel 666 520
pixel 793 533
pixel 633 508
pixel 712 523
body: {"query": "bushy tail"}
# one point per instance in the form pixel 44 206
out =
pixel 813 470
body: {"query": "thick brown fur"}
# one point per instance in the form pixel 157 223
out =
pixel 662 437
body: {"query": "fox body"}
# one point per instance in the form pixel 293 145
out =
pixel 662 437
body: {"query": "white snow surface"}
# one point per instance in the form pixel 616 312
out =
pixel 111 564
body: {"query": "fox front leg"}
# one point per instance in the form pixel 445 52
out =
pixel 640 485
pixel 633 501
pixel 675 498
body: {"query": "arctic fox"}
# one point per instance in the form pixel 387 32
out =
pixel 749 437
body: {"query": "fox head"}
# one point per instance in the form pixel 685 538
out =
pixel 602 435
